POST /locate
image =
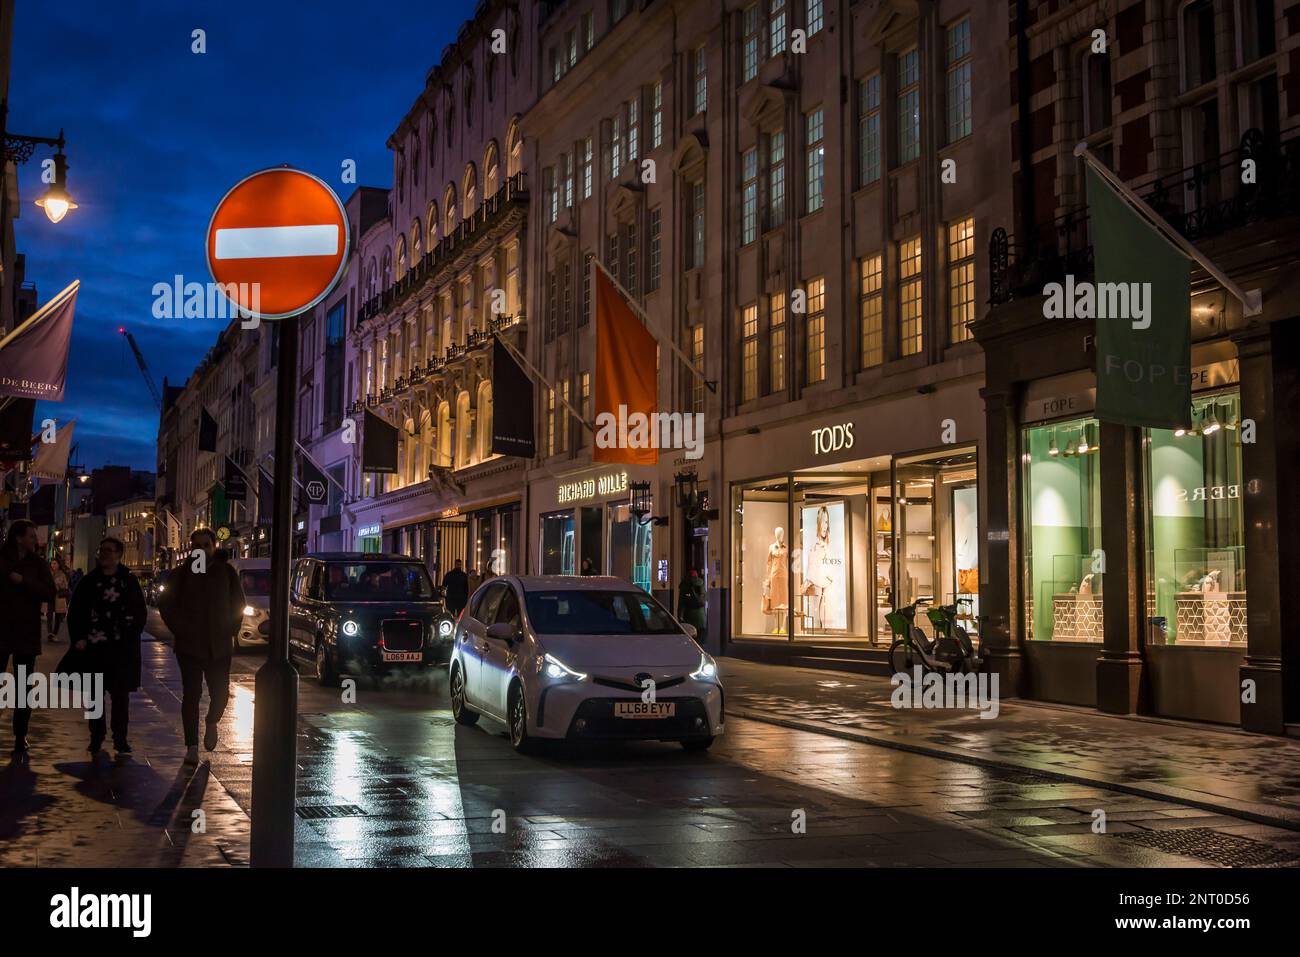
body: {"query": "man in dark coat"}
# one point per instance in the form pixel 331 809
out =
pixel 203 607
pixel 25 585
pixel 455 589
pixel 104 624
pixel 691 603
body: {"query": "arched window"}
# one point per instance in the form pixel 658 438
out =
pixel 425 445
pixel 514 150
pixel 416 235
pixel 444 435
pixel 491 170
pixel 400 256
pixel 386 270
pixel 463 430
pixel 431 221
pixel 372 279
pixel 484 421
pixel 449 210
pixel 469 190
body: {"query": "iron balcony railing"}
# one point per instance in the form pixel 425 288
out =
pixel 1204 200
pixel 513 193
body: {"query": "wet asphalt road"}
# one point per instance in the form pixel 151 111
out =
pixel 391 780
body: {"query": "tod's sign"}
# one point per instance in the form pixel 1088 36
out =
pixel 832 438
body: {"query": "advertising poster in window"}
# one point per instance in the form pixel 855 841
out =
pixel 825 568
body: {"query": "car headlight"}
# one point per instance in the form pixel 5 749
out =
pixel 249 610
pixel 445 627
pixel 557 670
pixel 708 669
pixel 351 628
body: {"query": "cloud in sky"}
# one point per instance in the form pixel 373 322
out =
pixel 156 134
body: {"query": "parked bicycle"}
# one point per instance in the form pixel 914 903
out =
pixel 950 649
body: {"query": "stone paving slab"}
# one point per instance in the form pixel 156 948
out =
pixel 61 810
pixel 1228 771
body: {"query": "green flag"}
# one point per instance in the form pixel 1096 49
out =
pixel 220 505
pixel 1144 351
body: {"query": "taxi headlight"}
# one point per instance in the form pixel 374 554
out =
pixel 445 627
pixel 351 628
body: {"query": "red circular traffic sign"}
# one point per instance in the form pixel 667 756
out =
pixel 278 242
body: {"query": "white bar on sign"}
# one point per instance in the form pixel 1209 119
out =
pixel 277 242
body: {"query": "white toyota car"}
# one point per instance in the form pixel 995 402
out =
pixel 582 659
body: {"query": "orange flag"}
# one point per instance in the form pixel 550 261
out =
pixel 626 379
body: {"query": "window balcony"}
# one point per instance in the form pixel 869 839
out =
pixel 1202 201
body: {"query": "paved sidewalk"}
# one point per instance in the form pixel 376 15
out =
pixel 59 810
pixel 1254 777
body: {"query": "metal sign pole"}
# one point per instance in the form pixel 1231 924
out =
pixel 275 710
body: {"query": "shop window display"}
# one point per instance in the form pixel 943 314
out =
pixel 1196 570
pixel 762 560
pixel 558 544
pixel 1062 519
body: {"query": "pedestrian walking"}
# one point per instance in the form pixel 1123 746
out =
pixel 25 585
pixel 203 607
pixel 105 620
pixel 62 592
pixel 455 589
pixel 74 578
pixel 691 603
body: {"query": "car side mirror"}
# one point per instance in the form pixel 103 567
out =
pixel 691 633
pixel 504 631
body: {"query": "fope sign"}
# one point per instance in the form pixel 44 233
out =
pixel 283 233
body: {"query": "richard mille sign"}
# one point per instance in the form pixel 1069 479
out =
pixel 599 486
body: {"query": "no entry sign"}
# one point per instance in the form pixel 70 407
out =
pixel 278 241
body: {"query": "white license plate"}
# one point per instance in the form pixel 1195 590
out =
pixel 403 656
pixel 645 709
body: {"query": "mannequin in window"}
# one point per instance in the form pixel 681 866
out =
pixel 776 598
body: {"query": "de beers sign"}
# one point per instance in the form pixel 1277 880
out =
pixel 832 438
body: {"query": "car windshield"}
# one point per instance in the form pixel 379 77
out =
pixel 377 581
pixel 593 612
pixel 255 581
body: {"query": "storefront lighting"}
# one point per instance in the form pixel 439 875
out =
pixel 1212 424
pixel 1052 450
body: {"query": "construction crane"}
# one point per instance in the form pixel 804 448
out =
pixel 144 368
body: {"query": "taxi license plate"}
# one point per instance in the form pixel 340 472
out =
pixel 645 709
pixel 403 656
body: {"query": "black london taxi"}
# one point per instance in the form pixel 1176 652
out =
pixel 360 613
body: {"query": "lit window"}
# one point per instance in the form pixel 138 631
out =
pixel 656 224
pixel 909 296
pixel 871 313
pixel 815 17
pixel 697 357
pixel 776 27
pixel 656 115
pixel 909 106
pixel 814 195
pixel 695 225
pixel 586 168
pixel 634 128
pixel 750 28
pixel 957 58
pixel 701 82
pixel 749 197
pixel 961 279
pixel 775 180
pixel 776 322
pixel 616 146
pixel 816 327
pixel 749 353
pixel 869 130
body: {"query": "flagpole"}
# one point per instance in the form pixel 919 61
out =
pixel 654 329
pixel 521 358
pixel 1250 301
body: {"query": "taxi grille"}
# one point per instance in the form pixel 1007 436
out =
pixel 402 635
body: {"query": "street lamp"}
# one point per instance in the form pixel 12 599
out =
pixel 56 202
pixel 19 149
